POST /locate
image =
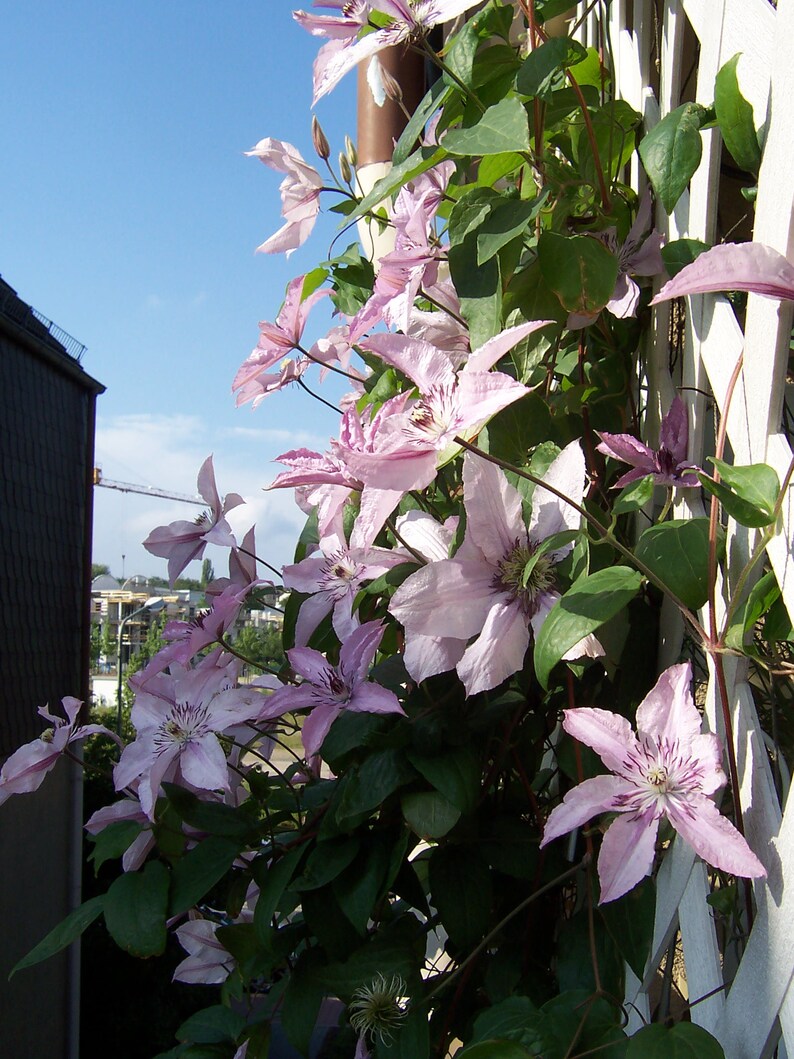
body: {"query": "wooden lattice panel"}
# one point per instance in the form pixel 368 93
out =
pixel 665 43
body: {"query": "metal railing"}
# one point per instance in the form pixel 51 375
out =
pixel 12 306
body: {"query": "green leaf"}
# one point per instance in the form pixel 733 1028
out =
pixel 735 118
pixel 579 269
pixel 211 1026
pixel 777 626
pixel 199 870
pixel 495 1049
pixel 630 922
pixel 456 774
pixel 762 595
pixel 505 222
pixel 461 890
pixel 367 787
pixel 419 162
pixel 542 71
pixel 681 252
pixel 67 931
pixel 211 817
pixel 479 286
pixel 429 814
pixel 113 841
pixel 302 999
pixel 517 429
pixel 462 50
pixel 671 152
pixel 272 879
pixel 748 493
pixel 391 951
pixel 326 861
pixel 677 553
pixel 588 603
pixel 546 9
pixel 685 1040
pixel 634 496
pixel 136 906
pixel 435 98
pixel 503 127
pixel 496 166
pixel 359 887
pixel 505 1020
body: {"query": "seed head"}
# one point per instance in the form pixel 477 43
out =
pixel 379 1008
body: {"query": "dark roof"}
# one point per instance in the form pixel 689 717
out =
pixel 26 324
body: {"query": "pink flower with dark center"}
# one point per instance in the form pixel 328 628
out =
pixel 488 573
pixel 668 769
pixel 181 542
pixel 24 771
pixel 667 465
pixel 300 194
pixel 276 341
pixel 334 581
pixel 177 721
pixel 327 690
pixel 410 444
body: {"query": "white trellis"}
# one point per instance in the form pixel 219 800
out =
pixel 652 43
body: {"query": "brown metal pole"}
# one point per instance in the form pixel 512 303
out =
pixel 379 127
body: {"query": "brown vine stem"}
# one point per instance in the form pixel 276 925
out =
pixel 605 532
pixel 558 881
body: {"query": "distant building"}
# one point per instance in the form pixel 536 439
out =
pixel 47 402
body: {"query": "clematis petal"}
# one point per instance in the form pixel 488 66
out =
pixel 358 651
pixel 494 515
pixel 732 266
pixel 425 656
pixel 627 449
pixel 608 733
pixel 203 763
pixel 484 358
pixel 429 601
pixel 674 430
pixel 498 651
pixel 592 797
pixel 714 838
pixel 317 725
pixel 668 711
pixel 626 854
pixel 550 514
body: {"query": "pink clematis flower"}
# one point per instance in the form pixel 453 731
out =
pixel 334 580
pixel 667 465
pixel 328 690
pixel 207 963
pixel 276 341
pixel 410 444
pixel 177 720
pixel 488 573
pixel 668 769
pixel 182 541
pixel 127 809
pixel 410 18
pixel 25 770
pixel 300 194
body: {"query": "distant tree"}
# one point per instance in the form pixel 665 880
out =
pixel 263 647
pixel 207 573
pixel 97 569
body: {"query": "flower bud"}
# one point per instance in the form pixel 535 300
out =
pixel 350 150
pixel 321 145
pixel 344 168
pixel 390 85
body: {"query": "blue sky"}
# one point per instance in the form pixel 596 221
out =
pixel 129 215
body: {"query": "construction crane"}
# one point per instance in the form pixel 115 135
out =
pixel 147 490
